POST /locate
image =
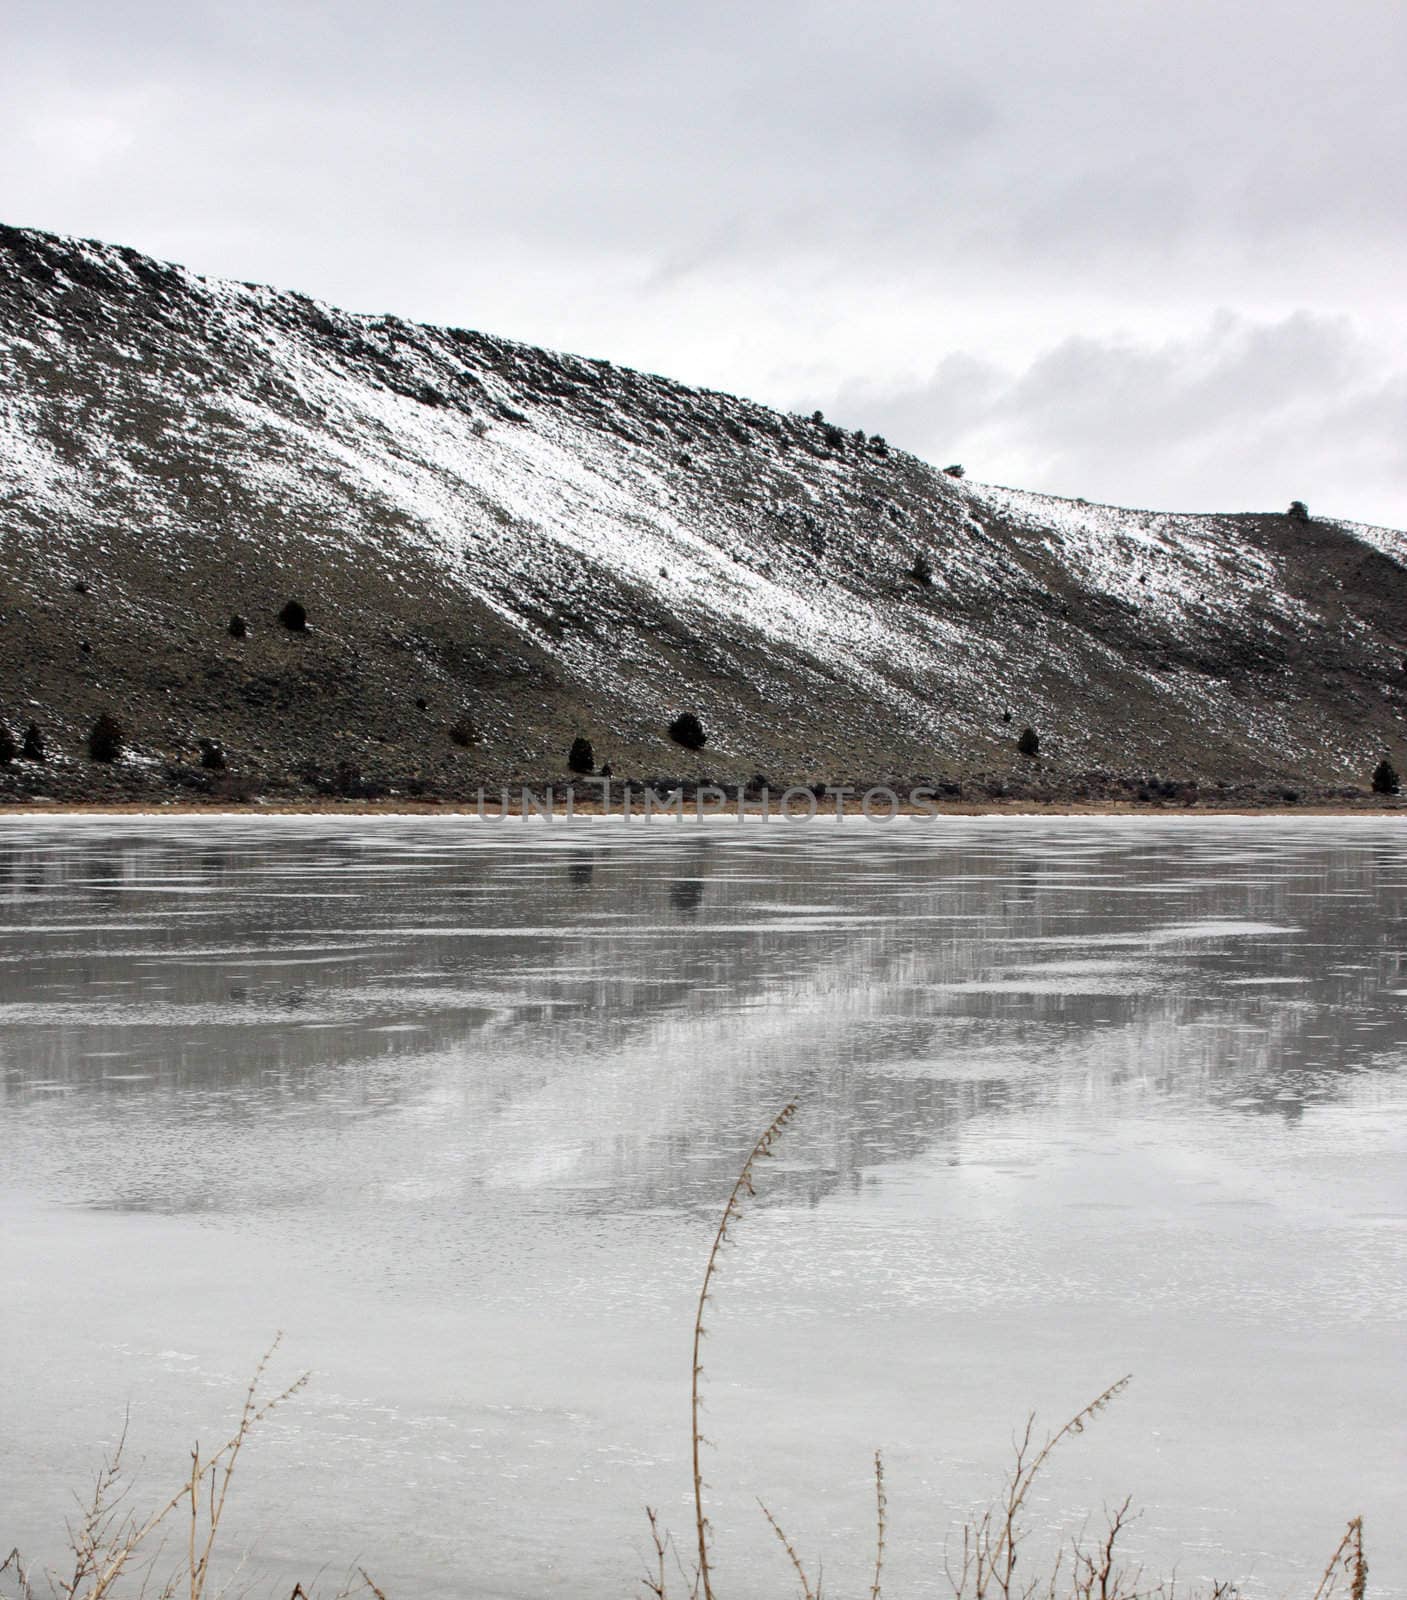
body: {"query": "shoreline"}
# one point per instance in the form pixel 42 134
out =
pixel 688 814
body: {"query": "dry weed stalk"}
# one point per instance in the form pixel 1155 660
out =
pixel 881 1523
pixel 112 1549
pixel 807 1592
pixel 655 1581
pixel 14 1564
pixel 1347 1562
pixel 109 1544
pixel 742 1190
pixel 992 1540
pixel 1097 1573
pixel 990 1543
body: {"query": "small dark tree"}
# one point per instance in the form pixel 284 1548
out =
pixel 464 733
pixel 1298 510
pixel 957 470
pixel 8 748
pixel 581 757
pixel 105 739
pixel 32 745
pixel 294 617
pixel 238 626
pixel 922 570
pixel 212 755
pixel 1029 743
pixel 686 729
pixel 1385 779
pixel 835 437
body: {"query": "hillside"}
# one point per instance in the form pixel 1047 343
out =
pixel 547 546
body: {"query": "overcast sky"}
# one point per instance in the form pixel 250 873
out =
pixel 1149 251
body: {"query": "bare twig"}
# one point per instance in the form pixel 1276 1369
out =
pixel 742 1190
pixel 14 1562
pixel 655 1581
pixel 1097 1573
pixel 881 1507
pixel 106 1543
pixel 1347 1561
pixel 376 1593
pixel 807 1592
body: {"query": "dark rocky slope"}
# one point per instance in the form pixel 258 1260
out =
pixel 548 546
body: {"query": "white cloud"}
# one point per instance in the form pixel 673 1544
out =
pixel 776 197
pixel 1244 415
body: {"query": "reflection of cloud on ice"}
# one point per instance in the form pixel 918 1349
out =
pixel 917 1062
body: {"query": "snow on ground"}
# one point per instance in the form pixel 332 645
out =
pixel 519 472
pixel 1389 541
pixel 563 486
pixel 1177 564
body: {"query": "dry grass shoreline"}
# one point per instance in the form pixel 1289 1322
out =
pixel 114 1550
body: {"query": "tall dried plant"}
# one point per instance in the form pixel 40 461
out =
pixel 743 1191
pixel 113 1552
pixel 991 1541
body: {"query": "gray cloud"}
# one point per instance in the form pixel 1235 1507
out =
pixel 773 197
pixel 1243 415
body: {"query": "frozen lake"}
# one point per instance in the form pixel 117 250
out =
pixel 455 1106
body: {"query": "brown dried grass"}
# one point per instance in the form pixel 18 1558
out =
pixel 117 1555
pixel 982 1559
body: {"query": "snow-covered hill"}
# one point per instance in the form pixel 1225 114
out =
pixel 549 546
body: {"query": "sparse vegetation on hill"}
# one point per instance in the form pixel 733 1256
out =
pixel 1385 779
pixel 440 566
pixel 687 730
pixel 106 739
